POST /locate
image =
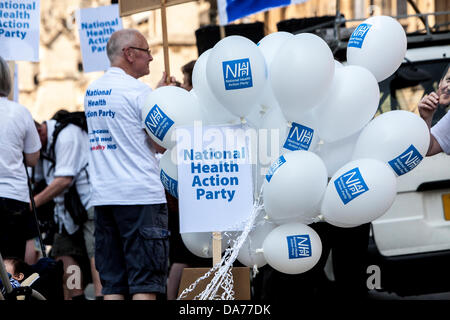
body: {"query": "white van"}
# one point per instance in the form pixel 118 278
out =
pixel 411 241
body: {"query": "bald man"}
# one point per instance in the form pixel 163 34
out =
pixel 131 231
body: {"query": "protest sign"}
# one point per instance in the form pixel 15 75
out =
pixel 19 30
pixel 95 27
pixel 214 178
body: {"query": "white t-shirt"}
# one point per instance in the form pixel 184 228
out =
pixel 441 131
pixel 122 163
pixel 71 153
pixel 18 134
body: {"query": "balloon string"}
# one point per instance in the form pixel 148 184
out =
pixel 223 277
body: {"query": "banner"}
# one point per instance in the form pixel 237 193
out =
pixel 95 26
pixel 230 10
pixel 214 178
pixel 19 30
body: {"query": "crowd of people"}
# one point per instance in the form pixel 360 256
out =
pixel 127 241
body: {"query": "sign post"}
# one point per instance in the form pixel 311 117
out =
pixel 12 69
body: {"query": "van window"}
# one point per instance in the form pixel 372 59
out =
pixel 406 87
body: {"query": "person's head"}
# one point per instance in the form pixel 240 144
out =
pixel 187 75
pixel 444 87
pixel 18 268
pixel 5 78
pixel 42 131
pixel 59 114
pixel 128 50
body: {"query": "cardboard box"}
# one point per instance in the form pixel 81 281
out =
pixel 241 279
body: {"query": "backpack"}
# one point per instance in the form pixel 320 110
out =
pixel 63 119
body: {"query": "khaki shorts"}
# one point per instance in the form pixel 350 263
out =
pixel 78 244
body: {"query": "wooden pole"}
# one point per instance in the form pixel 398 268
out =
pixel 217 247
pixel 12 69
pixel 165 40
pixel 266 23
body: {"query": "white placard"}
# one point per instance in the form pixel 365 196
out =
pixel 215 184
pixel 19 30
pixel 95 27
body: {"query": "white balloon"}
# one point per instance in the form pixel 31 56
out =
pixel 166 108
pixel 255 239
pixel 215 112
pixel 236 73
pixel 294 187
pixel 200 243
pixel 168 171
pixel 292 248
pixel 378 44
pixel 273 126
pixel 301 74
pixel 337 153
pixel 399 138
pixel 269 45
pixel 351 103
pixel 359 192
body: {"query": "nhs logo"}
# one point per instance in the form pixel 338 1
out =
pixel 299 137
pixel 274 167
pixel 171 185
pixel 299 246
pixel 237 74
pixel 158 122
pixel 407 161
pixel 357 38
pixel 350 185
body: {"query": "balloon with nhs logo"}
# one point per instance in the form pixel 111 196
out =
pixel 236 73
pixel 292 248
pixel 379 45
pixel 359 192
pixel 301 74
pixel 400 138
pixel 166 108
pixel 215 112
pixel 168 171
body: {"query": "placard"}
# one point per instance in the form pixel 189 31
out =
pixel 214 178
pixel 19 29
pixel 128 7
pixel 95 27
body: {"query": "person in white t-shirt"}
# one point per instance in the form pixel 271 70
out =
pixel 18 140
pixel 131 219
pixel 440 132
pixel 65 164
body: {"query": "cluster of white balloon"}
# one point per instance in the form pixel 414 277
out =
pixel 323 112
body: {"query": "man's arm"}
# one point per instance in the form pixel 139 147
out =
pixel 427 108
pixel 156 146
pixel 31 159
pixel 434 147
pixel 58 185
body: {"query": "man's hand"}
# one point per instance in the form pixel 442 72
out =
pixel 427 107
pixel 58 185
pixel 165 81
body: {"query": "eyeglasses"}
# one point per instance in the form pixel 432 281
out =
pixel 149 52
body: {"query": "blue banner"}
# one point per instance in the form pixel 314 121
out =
pixel 230 10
